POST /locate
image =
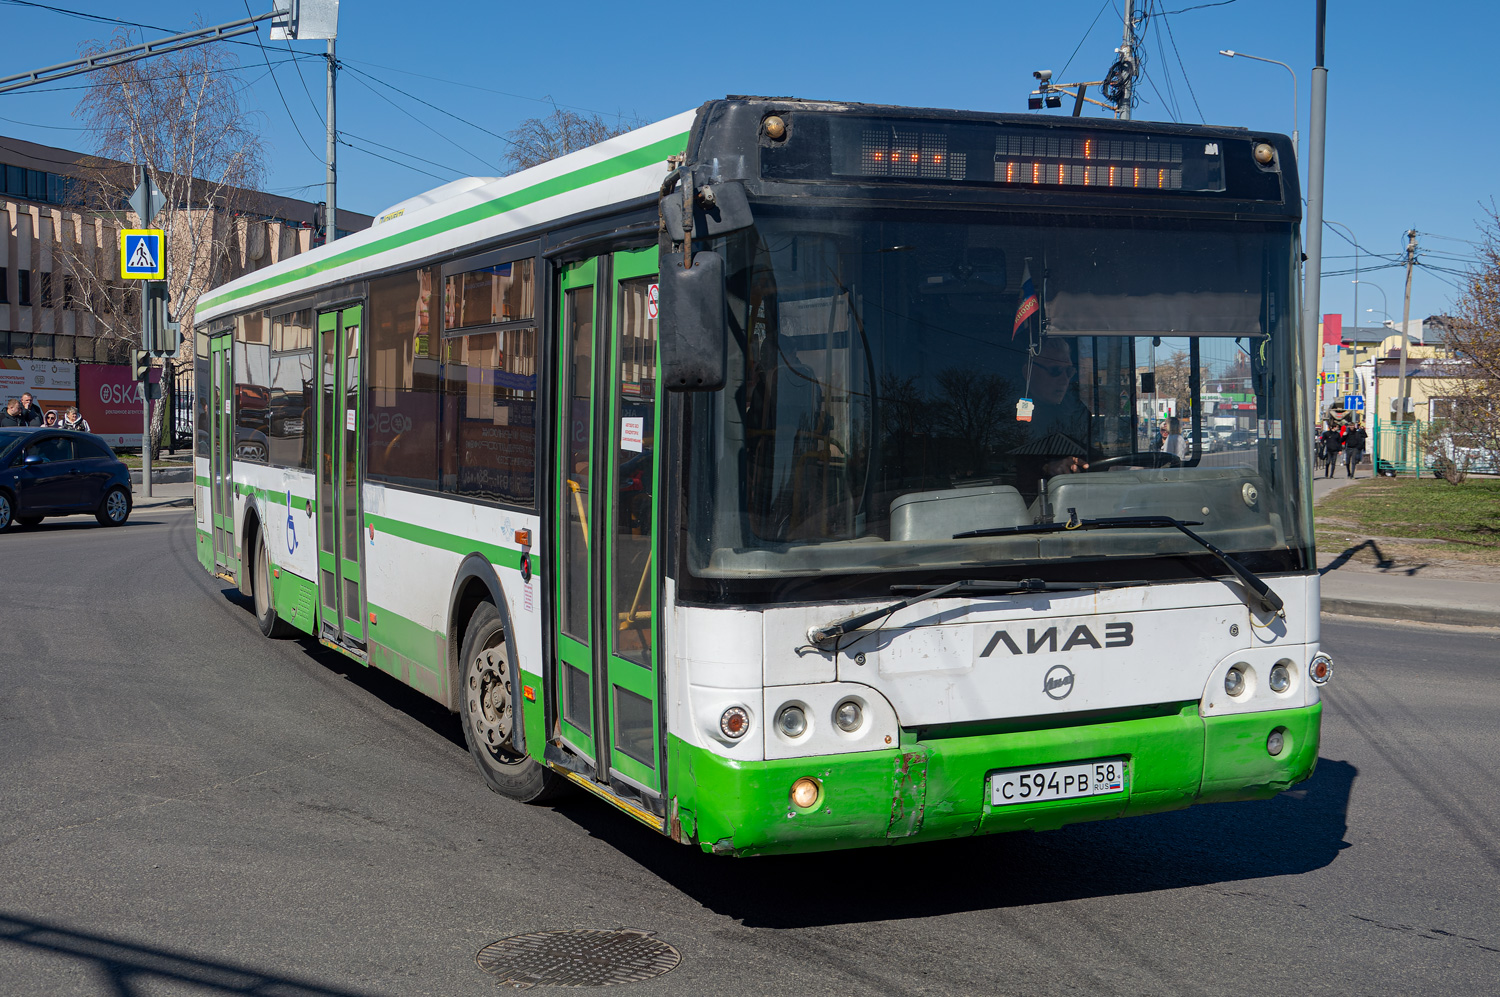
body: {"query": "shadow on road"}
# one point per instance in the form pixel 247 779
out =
pixel 1298 831
pixel 126 969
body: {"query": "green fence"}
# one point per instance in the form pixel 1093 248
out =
pixel 1398 447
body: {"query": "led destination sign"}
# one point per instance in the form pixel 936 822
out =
pixel 823 146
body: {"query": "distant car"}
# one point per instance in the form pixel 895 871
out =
pixel 51 472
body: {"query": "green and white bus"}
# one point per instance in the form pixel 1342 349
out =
pixel 798 475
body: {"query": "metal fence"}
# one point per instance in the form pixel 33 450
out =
pixel 1399 447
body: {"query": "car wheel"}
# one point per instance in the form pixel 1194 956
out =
pixel 491 711
pixel 6 511
pixel 115 507
pixel 271 623
pixel 29 521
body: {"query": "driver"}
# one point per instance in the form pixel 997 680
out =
pixel 1056 440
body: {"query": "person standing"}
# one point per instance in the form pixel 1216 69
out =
pixel 1331 447
pixel 12 415
pixel 72 419
pixel 31 412
pixel 1354 447
pixel 1170 440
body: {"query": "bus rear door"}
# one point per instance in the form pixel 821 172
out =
pixel 221 451
pixel 607 481
pixel 340 551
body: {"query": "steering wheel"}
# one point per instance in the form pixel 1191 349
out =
pixel 1141 458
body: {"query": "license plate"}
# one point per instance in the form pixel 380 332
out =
pixel 1100 777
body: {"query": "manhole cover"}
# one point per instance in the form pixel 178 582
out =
pixel 578 958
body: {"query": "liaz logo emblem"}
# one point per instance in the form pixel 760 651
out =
pixel 1115 635
pixel 1058 682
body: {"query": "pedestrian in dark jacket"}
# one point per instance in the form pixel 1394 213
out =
pixel 1331 447
pixel 31 412
pixel 1354 447
pixel 12 415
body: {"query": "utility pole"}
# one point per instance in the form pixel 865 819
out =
pixel 1411 261
pixel 330 219
pixel 1127 57
pixel 1312 274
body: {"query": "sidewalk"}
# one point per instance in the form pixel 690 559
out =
pixel 1466 596
pixel 169 494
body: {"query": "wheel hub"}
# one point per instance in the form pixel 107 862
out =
pixel 489 699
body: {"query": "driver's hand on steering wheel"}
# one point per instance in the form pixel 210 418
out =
pixel 1065 465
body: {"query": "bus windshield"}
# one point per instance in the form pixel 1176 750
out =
pixel 896 379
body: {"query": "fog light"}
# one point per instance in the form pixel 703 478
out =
pixel 849 717
pixel 805 792
pixel 1280 679
pixel 1320 669
pixel 792 721
pixel 1234 682
pixel 1276 741
pixel 734 722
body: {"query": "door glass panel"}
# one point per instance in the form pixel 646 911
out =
pixel 576 698
pixel 634 726
pixel 579 304
pixel 349 455
pixel 635 444
pixel 329 341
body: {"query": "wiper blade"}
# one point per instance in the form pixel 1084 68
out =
pixel 832 631
pixel 1264 595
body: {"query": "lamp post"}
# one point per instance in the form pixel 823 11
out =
pixel 1296 113
pixel 1384 301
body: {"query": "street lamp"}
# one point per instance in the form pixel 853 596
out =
pixel 1383 299
pixel 1231 53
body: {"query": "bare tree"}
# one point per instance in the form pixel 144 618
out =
pixel 1471 434
pixel 538 140
pixel 179 114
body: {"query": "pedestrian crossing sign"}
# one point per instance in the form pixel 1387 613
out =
pixel 141 255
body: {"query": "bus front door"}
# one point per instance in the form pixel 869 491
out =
pixel 609 672
pixel 221 451
pixel 340 552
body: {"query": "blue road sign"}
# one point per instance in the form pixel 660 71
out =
pixel 141 255
pixel 1354 402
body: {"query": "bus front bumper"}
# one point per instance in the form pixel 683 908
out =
pixel 940 788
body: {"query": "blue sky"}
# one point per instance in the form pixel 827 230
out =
pixel 1411 135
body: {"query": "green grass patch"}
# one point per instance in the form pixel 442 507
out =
pixel 1417 508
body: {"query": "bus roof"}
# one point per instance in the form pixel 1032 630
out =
pixel 468 212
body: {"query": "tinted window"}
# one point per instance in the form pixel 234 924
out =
pixel 290 393
pixel 489 416
pixel 51 450
pixel 86 448
pixel 502 292
pixel 252 387
pixel 405 382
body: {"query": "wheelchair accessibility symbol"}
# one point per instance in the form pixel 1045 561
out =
pixel 291 526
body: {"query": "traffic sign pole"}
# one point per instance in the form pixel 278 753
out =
pixel 143 257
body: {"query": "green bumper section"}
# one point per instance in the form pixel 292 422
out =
pixel 939 788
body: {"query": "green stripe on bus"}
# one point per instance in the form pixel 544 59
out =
pixel 595 173
pixel 504 557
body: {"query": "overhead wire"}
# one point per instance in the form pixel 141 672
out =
pixel 424 124
pixel 388 159
pixel 1063 72
pixel 295 127
pixel 401 152
pixel 440 110
pixel 1182 67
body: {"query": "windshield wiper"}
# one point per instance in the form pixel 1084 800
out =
pixel 832 631
pixel 1267 598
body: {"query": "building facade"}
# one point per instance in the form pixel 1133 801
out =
pixel 60 294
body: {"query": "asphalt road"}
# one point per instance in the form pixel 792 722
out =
pixel 186 808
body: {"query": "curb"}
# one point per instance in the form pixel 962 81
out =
pixel 1413 614
pixel 164 475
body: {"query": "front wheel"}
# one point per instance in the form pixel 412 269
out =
pixel 115 508
pixel 491 713
pixel 7 511
pixel 271 623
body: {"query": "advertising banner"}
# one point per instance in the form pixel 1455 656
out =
pixel 51 382
pixel 110 399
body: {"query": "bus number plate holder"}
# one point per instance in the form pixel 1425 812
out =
pixel 1073 780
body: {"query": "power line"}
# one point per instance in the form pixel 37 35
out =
pixel 388 159
pixel 402 152
pixel 419 121
pixel 1064 70
pixel 295 127
pixel 436 108
pixel 1182 67
pixel 1201 6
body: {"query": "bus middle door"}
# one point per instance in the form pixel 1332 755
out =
pixel 340 551
pixel 607 481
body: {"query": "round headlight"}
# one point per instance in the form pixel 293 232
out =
pixel 791 721
pixel 1234 682
pixel 734 722
pixel 1264 153
pixel 1276 742
pixel 849 716
pixel 1320 669
pixel 1280 679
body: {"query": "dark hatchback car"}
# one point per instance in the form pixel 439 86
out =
pixel 50 472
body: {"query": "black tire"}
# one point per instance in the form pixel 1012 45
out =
pixel 271 623
pixel 7 509
pixel 29 521
pixel 489 710
pixel 114 508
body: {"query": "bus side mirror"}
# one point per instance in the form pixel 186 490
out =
pixel 693 334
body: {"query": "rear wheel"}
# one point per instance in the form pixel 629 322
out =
pixel 114 509
pixel 29 521
pixel 271 623
pixel 6 510
pixel 491 714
